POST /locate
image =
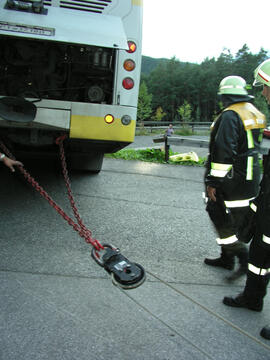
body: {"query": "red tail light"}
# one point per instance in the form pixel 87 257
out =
pixel 128 83
pixel 132 47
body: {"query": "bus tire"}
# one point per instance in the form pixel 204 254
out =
pixel 91 162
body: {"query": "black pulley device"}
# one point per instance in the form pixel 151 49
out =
pixel 125 274
pixel 17 109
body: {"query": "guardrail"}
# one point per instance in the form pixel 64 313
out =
pixel 159 125
pixel 182 140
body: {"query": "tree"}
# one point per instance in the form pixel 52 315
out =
pixel 185 111
pixel 159 114
pixel 144 103
pixel 171 82
pixel 167 86
pixel 198 114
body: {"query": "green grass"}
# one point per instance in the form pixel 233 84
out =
pixel 156 156
pixel 151 155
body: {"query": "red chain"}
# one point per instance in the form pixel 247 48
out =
pixel 79 227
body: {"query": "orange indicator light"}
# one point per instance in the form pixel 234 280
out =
pixel 129 65
pixel 109 119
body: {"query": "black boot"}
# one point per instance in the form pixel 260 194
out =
pixel 265 332
pixel 226 260
pixel 253 294
pixel 242 255
pixel 242 301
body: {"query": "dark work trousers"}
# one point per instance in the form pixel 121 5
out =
pixel 226 224
pixel 259 257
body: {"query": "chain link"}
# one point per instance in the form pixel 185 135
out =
pixel 83 231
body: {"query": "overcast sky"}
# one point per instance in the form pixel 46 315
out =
pixel 192 30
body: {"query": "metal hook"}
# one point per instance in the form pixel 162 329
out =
pixel 124 273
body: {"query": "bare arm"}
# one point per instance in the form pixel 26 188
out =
pixel 9 162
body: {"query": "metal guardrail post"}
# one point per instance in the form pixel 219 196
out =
pixel 167 148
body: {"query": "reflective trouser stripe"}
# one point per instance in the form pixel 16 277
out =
pixel 226 241
pixel 218 173
pixel 253 207
pixel 237 203
pixel 266 239
pixel 258 271
pixel 220 170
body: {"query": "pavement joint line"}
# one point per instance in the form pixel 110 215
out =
pixel 97 277
pixel 133 201
pixel 212 312
pixel 50 304
pixel 167 325
pixel 55 274
pixel 147 310
pixel 155 175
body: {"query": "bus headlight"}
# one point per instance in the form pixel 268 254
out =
pixel 126 120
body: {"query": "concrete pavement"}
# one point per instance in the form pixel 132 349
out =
pixel 57 303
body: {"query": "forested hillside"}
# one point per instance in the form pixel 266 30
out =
pixel 169 84
pixel 149 64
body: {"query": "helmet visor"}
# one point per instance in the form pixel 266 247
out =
pixel 257 83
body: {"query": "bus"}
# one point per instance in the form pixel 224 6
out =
pixel 70 67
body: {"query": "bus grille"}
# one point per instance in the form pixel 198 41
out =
pixel 97 6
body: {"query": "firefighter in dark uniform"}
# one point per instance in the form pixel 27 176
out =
pixel 257 228
pixel 233 172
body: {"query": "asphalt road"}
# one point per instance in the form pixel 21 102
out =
pixel 57 303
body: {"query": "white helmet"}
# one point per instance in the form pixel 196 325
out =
pixel 234 85
pixel 262 74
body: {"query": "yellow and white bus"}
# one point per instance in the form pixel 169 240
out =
pixel 78 63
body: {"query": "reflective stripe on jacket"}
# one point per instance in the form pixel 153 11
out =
pixel 233 164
